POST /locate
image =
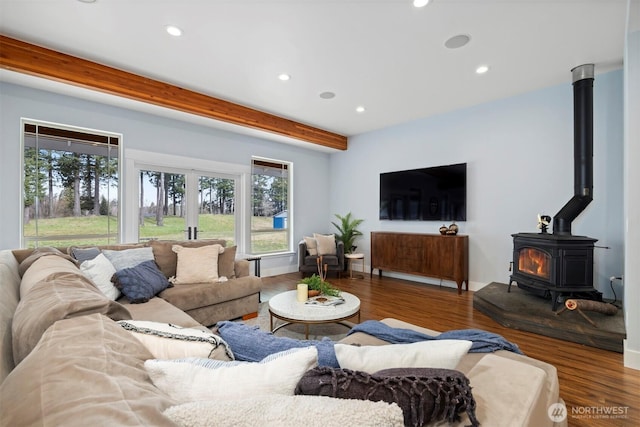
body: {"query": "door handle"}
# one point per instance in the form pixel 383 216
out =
pixel 188 230
pixel 195 233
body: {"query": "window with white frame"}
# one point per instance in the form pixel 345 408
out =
pixel 270 206
pixel 70 185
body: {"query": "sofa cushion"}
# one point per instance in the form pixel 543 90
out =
pixel 37 267
pixel 141 282
pixel 424 354
pixel 326 243
pixel 100 271
pixel 199 295
pixel 167 341
pixel 9 297
pixel 186 382
pixel 37 253
pixel 59 296
pixel 196 265
pixel 227 263
pixel 310 411
pixel 85 371
pixel 425 395
pixel 128 258
pixel 167 259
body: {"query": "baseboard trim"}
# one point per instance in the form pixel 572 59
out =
pixel 631 357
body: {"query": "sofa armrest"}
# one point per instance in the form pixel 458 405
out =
pixel 241 267
pixel 340 254
pixel 302 252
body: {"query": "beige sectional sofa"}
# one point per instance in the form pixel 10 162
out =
pixel 77 366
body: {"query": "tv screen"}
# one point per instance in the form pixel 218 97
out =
pixel 427 194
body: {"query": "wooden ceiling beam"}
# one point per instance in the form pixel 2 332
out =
pixel 22 57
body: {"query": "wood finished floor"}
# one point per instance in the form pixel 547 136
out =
pixel 589 377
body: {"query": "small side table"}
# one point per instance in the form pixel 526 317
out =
pixel 256 267
pixel 354 257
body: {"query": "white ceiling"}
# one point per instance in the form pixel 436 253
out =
pixel 383 54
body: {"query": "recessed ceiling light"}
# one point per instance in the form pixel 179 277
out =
pixel 360 109
pixel 174 31
pixel 284 77
pixel 482 69
pixel 458 41
pixel 420 3
pixel 87 1
pixel 327 95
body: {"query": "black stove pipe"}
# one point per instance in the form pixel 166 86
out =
pixel 582 150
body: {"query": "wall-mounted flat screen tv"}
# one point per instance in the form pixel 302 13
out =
pixel 428 194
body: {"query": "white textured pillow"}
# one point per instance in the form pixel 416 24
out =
pixel 167 341
pixel 128 258
pixel 277 411
pixel 312 245
pixel 196 265
pixel 187 382
pixel 326 244
pixel 443 354
pixel 100 271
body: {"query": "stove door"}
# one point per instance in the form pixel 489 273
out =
pixel 534 262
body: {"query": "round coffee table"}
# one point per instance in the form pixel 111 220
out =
pixel 286 307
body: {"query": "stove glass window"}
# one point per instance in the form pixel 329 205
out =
pixel 535 262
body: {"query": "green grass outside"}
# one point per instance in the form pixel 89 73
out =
pixel 210 226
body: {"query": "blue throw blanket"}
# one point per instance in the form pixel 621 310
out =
pixel 250 344
pixel 483 341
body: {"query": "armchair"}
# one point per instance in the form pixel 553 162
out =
pixel 308 264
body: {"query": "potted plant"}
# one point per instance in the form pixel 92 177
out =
pixel 347 231
pixel 318 286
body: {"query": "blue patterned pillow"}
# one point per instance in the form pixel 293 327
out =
pixel 142 282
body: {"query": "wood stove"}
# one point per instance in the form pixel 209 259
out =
pixel 551 265
pixel 562 264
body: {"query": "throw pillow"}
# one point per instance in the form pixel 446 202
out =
pixel 196 265
pixel 142 282
pixel 227 263
pixel 186 382
pixel 425 395
pixel 83 254
pixel 100 271
pixel 128 258
pixel 167 259
pixel 251 344
pixel 167 341
pixel 59 296
pixel 424 354
pixel 312 245
pixel 278 410
pixel 326 244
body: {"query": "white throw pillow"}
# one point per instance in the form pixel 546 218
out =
pixel 100 271
pixel 443 354
pixel 196 265
pixel 187 382
pixel 278 411
pixel 326 244
pixel 167 341
pixel 312 245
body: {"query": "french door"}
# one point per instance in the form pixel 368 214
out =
pixel 177 204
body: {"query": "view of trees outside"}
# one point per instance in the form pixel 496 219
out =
pixel 70 190
pixel 269 204
pixel 163 207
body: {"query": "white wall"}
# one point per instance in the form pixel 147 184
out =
pixel 631 187
pixel 519 155
pixel 158 135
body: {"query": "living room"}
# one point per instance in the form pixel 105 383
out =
pixel 518 151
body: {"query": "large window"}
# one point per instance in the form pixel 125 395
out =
pixel 270 206
pixel 70 185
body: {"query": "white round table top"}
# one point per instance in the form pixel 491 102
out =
pixel 354 256
pixel 287 305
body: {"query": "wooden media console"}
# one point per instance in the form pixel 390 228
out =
pixel 430 255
